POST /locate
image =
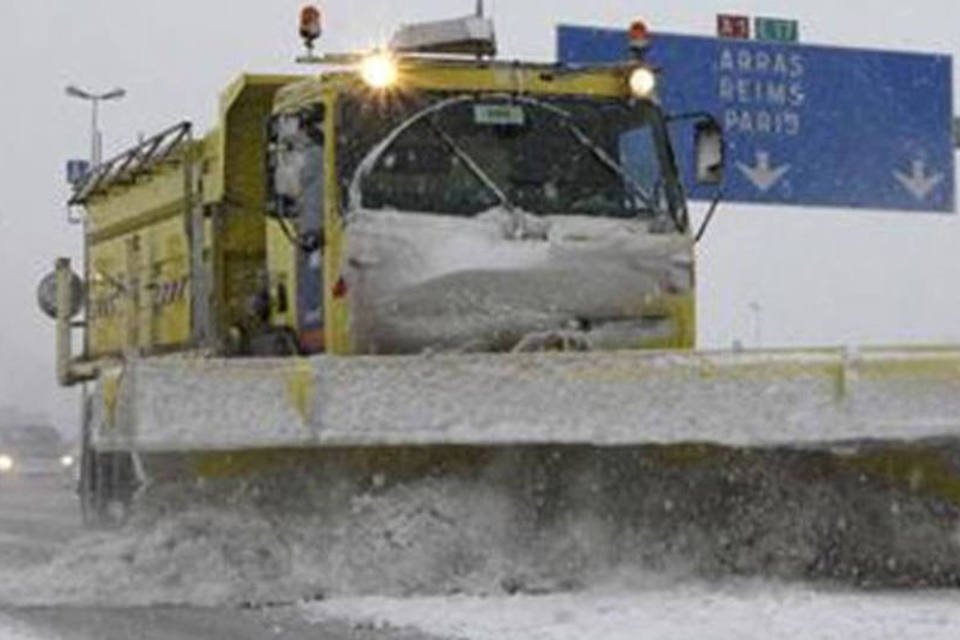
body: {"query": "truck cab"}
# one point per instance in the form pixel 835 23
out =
pixel 425 202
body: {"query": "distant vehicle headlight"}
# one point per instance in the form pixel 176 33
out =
pixel 6 463
pixel 67 460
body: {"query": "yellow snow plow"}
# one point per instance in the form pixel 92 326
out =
pixel 425 261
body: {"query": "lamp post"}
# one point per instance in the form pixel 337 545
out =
pixel 96 139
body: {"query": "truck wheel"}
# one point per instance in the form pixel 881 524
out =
pixel 107 482
pixel 106 488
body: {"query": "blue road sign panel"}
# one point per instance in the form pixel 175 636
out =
pixel 77 170
pixel 805 125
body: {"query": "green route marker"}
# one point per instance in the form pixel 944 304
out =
pixel 776 30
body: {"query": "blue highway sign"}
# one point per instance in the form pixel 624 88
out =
pixel 805 125
pixel 77 170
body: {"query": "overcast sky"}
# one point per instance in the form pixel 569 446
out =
pixel 819 277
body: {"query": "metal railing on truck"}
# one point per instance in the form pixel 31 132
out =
pixel 132 163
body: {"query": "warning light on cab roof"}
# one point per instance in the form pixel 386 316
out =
pixel 639 36
pixel 311 26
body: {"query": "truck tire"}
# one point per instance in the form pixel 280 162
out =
pixel 107 481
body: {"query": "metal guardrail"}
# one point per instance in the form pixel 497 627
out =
pixel 133 162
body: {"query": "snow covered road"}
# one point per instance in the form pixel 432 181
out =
pixel 679 612
pixel 39 515
pixel 13 629
pixel 685 612
pixel 163 623
pixel 36 520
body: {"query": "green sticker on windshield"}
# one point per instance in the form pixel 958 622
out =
pixel 499 115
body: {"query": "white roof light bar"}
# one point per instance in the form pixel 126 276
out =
pixel 470 36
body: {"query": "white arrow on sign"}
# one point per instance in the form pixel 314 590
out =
pixel 763 175
pixel 918 182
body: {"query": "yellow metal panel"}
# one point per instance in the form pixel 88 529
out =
pixel 681 311
pixel 241 232
pixel 138 263
pixel 107 282
pixel 166 307
pixel 140 220
pixel 161 189
pixel 336 310
pixel 423 75
pixel 212 166
pixel 282 260
pixel 241 91
pixel 159 288
pixel 301 390
pixel 605 83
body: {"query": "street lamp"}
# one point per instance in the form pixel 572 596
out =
pixel 96 138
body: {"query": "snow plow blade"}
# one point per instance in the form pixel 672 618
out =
pixel 807 399
pixel 547 471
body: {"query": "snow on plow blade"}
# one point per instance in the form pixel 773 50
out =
pixel 757 399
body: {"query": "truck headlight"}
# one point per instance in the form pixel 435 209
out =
pixel 643 82
pixel 6 463
pixel 379 71
pixel 66 461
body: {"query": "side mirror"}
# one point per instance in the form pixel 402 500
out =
pixel 709 151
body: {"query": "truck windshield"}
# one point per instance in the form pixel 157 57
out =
pixel 461 155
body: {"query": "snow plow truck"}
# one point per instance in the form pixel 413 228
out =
pixel 426 261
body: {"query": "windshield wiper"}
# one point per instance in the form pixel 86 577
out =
pixel 600 153
pixel 472 165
